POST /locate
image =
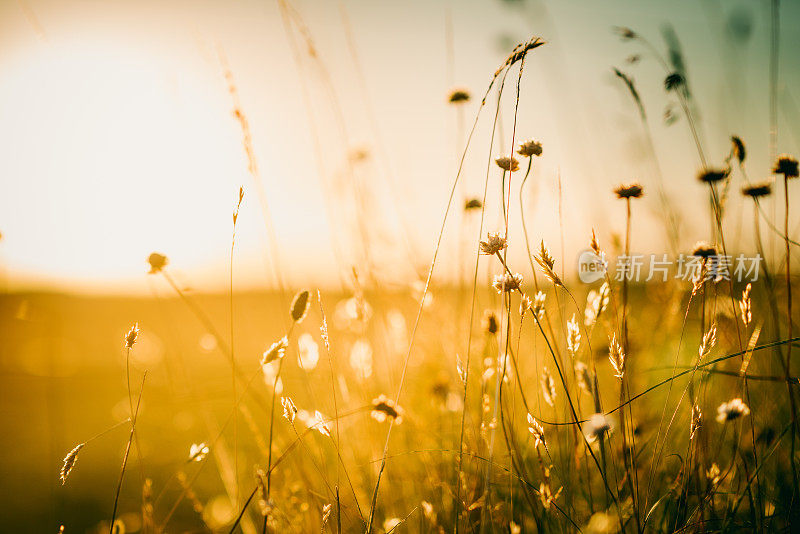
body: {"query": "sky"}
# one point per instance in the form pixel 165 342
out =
pixel 118 137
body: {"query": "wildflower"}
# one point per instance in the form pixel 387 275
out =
pixel 786 165
pixel 130 337
pixel 696 421
pixel 573 336
pixel 536 429
pixel 626 191
pixel 712 175
pixel 300 306
pixel 289 409
pixel 490 323
pixel 507 282
pixel 494 243
pixel 69 462
pixel 597 427
pixel 276 351
pixel 384 408
pixel 473 204
pixel 617 357
pixel 458 96
pixel 548 387
pixel 734 409
pixel 703 250
pixel 744 306
pixel 530 148
pixel 507 163
pixel 198 452
pixel 758 190
pixel 157 262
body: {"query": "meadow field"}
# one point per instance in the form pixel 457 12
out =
pixel 506 381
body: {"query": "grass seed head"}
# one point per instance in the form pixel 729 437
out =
pixel 130 337
pixel 300 306
pixel 69 462
pixel 276 351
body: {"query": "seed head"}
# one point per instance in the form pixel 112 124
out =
pixel 507 164
pixel 738 150
pixel 384 408
pixel 674 81
pixel 490 322
pixel 744 306
pixel 494 243
pixel 276 351
pixel 300 306
pixel 536 429
pixel 704 250
pixel 573 336
pixel 633 190
pixel 157 262
pixel 546 262
pixel 786 165
pixel 473 204
pixel 598 426
pixel 757 190
pixel 458 96
pixel 130 337
pixel 289 409
pixel 507 283
pixel 69 462
pixel 530 148
pixel 733 409
pixel 617 357
pixel 712 175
